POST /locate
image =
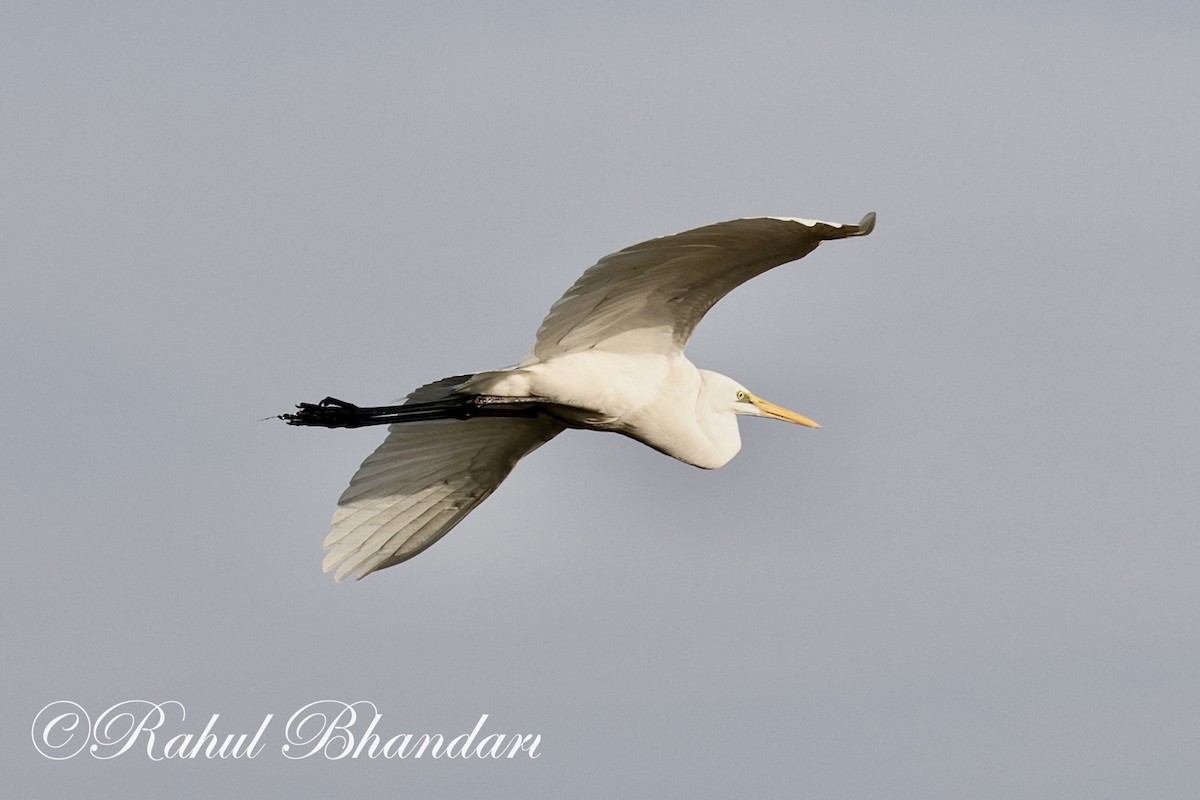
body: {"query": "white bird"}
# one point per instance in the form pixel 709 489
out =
pixel 608 357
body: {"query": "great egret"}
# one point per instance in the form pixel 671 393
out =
pixel 608 357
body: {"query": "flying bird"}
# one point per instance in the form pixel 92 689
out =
pixel 608 357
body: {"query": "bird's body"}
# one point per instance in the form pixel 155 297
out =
pixel 608 357
pixel 581 393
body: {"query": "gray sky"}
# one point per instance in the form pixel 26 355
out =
pixel 979 579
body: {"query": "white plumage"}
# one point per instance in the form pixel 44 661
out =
pixel 423 479
pixel 608 356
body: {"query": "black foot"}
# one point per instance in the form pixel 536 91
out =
pixel 329 413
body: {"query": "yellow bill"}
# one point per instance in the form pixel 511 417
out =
pixel 779 412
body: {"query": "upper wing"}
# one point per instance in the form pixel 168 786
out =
pixel 649 297
pixel 420 483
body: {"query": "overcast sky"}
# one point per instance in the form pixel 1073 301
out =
pixel 980 578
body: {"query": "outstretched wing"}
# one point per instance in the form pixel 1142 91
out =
pixel 649 297
pixel 420 483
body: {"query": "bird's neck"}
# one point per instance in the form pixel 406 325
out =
pixel 688 425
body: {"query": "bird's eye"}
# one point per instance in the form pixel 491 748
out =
pixel 742 396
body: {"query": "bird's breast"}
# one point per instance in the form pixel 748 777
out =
pixel 652 398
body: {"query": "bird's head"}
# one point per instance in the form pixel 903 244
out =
pixel 729 395
pixel 748 403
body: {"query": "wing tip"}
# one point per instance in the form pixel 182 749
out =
pixel 346 570
pixel 865 225
pixel 835 230
pixel 843 230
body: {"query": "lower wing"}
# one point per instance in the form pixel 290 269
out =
pixel 420 483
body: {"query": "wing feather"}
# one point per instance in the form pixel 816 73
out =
pixel 420 483
pixel 649 297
